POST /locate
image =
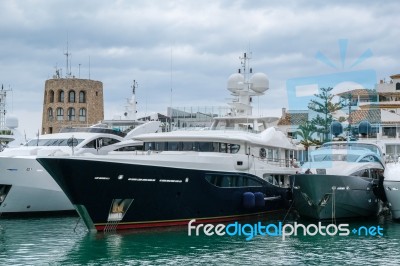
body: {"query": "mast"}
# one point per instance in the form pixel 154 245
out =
pixel 3 106
pixel 130 108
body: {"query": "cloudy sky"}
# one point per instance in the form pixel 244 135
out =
pixel 189 46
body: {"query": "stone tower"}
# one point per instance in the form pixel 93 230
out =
pixel 71 102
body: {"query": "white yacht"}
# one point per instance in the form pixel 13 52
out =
pixel 26 188
pixel 239 167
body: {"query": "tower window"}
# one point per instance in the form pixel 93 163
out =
pixel 60 114
pixel 50 114
pixel 82 97
pixel 71 114
pixel 71 96
pixel 51 96
pixel 61 96
pixel 82 114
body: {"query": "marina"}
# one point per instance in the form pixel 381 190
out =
pixel 199 133
pixel 217 191
pixel 220 189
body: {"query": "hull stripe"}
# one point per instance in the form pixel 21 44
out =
pixel 101 226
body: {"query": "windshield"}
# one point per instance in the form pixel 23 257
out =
pixel 50 142
pixel 353 146
pixel 335 157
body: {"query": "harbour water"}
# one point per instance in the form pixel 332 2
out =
pixel 66 241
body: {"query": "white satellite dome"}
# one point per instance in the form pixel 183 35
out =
pixel 235 82
pixel 259 82
pixel 11 122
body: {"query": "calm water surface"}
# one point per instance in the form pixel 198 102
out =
pixel 63 241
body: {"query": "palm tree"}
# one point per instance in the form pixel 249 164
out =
pixel 306 131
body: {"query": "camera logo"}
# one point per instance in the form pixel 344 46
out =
pixel 301 90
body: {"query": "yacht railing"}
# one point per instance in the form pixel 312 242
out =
pixel 224 129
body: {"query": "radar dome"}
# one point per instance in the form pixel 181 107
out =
pixel 336 128
pixel 11 122
pixel 235 82
pixel 260 82
pixel 364 127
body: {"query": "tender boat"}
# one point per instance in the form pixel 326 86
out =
pixel 341 180
pixel 238 167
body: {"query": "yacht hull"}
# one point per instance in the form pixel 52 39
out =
pixel 112 196
pixel 332 196
pixel 25 187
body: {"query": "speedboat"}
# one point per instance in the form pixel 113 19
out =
pixel 238 167
pixel 391 184
pixel 340 180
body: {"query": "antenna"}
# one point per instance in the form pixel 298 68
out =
pixel 89 67
pixel 67 54
pixel 134 86
pixel 170 103
pixel 244 61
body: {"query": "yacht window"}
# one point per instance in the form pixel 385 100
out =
pixel 369 158
pixel 335 157
pixel 215 146
pixel 376 173
pixel 160 146
pixel 223 147
pixel 221 180
pixel 352 146
pixel 269 178
pixel 240 181
pixel 100 142
pixel 362 173
pixel 263 153
pixel 206 146
pixel 192 146
pixel 130 148
pixel 37 142
pixel 49 142
pixel 148 146
pixel 270 156
pixel 234 148
pixel 188 146
pixel 173 146
pixel 109 141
